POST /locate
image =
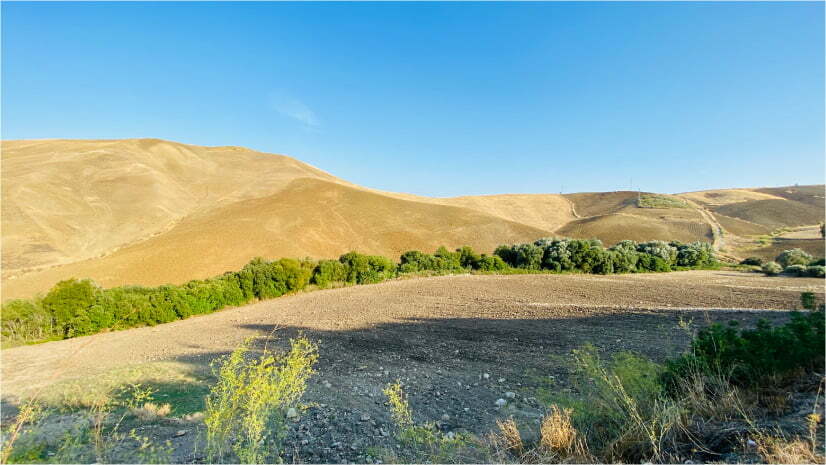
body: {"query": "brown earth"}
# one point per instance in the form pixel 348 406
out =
pixel 147 211
pixel 814 247
pixel 439 336
pixel 740 227
pixel 774 213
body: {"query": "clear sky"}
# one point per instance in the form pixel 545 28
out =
pixel 440 98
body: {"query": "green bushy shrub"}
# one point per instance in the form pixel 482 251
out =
pixel 661 249
pixel 648 262
pixel 276 278
pixel 625 256
pixel 467 257
pixel 26 320
pixel 367 269
pixel 329 271
pixel 793 257
pixel 771 268
pixel 815 271
pixel 695 254
pixel 442 261
pixel 68 303
pixel 556 254
pixel 795 270
pixel 587 254
pixel 526 256
pixel 818 262
pixel 447 260
pixel 563 254
pixel 752 356
pixel 490 263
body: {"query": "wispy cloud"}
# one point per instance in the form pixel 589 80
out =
pixel 293 108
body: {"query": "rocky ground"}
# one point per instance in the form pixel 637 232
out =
pixel 468 349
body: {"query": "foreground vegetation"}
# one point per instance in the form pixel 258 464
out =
pixel 711 403
pixel 80 307
pixel 704 405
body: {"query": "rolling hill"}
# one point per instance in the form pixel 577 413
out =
pixel 148 211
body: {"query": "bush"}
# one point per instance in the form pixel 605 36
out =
pixel 273 279
pixel 565 254
pixel 526 256
pixel 329 271
pixel 695 254
pixel 661 249
pixel 246 410
pixel 771 268
pixel 752 356
pixel 68 304
pixel 442 261
pixel 793 257
pixel 625 256
pixel 556 254
pixel 816 271
pixel 467 257
pixel 25 320
pixel 620 401
pixel 448 261
pixel 367 269
pixel 490 263
pixel 819 262
pixel 795 270
pixel 648 262
pixel 587 255
pixel 754 261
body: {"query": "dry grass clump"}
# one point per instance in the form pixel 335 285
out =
pixel 151 411
pixel 557 433
pixel 783 450
pixel 559 441
pixel 508 439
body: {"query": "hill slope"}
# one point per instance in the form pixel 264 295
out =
pixel 147 211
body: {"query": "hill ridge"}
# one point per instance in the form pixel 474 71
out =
pixel 69 203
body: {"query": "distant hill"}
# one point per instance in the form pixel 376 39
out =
pixel 148 211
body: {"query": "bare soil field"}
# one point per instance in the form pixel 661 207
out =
pixel 439 336
pixel 774 213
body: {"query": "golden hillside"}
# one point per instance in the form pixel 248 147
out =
pixel 147 211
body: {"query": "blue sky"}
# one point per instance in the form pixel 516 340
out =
pixel 440 99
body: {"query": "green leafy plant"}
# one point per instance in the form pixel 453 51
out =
pixel 793 257
pixel 248 405
pixel 755 356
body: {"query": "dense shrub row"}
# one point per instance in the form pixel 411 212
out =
pixel 79 307
pixel 589 256
pixel 795 262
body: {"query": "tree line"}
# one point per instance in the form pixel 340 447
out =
pixel 78 307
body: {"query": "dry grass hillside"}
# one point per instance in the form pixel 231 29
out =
pixel 69 200
pixel 310 217
pixel 614 216
pixel 147 211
